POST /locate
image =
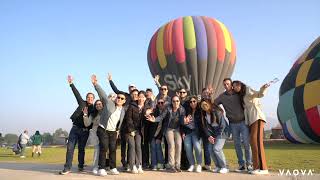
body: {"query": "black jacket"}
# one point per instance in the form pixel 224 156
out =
pixel 117 91
pixel 133 118
pixel 197 122
pixel 77 116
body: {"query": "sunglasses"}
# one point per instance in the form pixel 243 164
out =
pixel 175 101
pixel 121 98
pixel 193 101
pixel 183 92
pixel 164 89
pixel 160 102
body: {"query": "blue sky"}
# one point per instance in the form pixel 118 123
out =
pixel 41 42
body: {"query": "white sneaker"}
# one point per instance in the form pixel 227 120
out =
pixel 259 172
pixel 114 171
pixel 95 171
pixel 134 169
pixel 223 170
pixel 216 170
pixel 102 172
pixel 198 169
pixel 140 171
pixel 191 168
pixel 22 157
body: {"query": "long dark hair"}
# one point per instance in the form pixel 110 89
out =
pixel 189 108
pixel 242 91
pixel 213 116
pixel 95 111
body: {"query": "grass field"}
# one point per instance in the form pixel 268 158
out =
pixel 280 155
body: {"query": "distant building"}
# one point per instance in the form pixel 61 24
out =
pixel 277 132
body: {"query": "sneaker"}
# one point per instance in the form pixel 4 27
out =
pixel 95 171
pixel 198 169
pixel 216 170
pixel 178 169
pixel 259 172
pixel 102 172
pixel 22 157
pixel 249 168
pixel 172 170
pixel 240 169
pixel 114 171
pixel 207 167
pixel 223 171
pixel 134 169
pixel 154 168
pixel 80 169
pixel 64 172
pixel 140 171
pixel 160 167
pixel 191 168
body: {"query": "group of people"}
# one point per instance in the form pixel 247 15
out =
pixel 23 140
pixel 185 125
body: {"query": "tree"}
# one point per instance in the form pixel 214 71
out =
pixel 47 138
pixel 11 138
pixel 58 134
pixel 1 139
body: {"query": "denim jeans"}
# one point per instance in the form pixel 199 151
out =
pixel 156 153
pixel 240 131
pixel 206 152
pixel 135 151
pixel 80 136
pixel 216 152
pixel 192 141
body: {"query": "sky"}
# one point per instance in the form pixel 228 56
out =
pixel 43 41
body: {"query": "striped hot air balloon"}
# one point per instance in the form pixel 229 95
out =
pixel 192 52
pixel 299 98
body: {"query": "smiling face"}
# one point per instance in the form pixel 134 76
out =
pixel 236 87
pixel 134 95
pixel 193 103
pixel 90 98
pixel 164 90
pixel 98 105
pixel 141 98
pixel 121 99
pixel 175 102
pixel 227 84
pixel 182 93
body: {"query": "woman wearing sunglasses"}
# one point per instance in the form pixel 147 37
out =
pixel 170 121
pixel 191 130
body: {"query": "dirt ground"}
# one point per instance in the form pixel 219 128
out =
pixel 21 171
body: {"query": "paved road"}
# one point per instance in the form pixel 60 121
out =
pixel 22 171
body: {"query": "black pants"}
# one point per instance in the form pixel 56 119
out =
pixel 146 153
pixel 107 140
pixel 124 149
pixel 166 155
pixel 76 136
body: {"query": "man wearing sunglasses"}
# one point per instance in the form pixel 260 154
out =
pixel 110 123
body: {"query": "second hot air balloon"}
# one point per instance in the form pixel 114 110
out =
pixel 192 52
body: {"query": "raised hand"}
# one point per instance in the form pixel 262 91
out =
pixel 266 85
pixel 188 119
pixel 150 118
pixel 156 78
pixel 85 111
pixel 109 77
pixel 94 79
pixel 70 79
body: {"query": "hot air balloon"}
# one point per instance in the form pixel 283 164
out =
pixel 299 98
pixel 192 52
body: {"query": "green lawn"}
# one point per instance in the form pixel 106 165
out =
pixel 280 155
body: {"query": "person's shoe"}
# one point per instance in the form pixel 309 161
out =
pixel 160 167
pixel 191 168
pixel 64 172
pixel 216 170
pixel 207 167
pixel 154 168
pixel 259 172
pixel 223 171
pixel 178 169
pixel 249 168
pixel 134 169
pixel 140 171
pixel 172 170
pixel 114 171
pixel 22 157
pixel 241 169
pixel 95 171
pixel 198 169
pixel 39 154
pixel 80 169
pixel 102 172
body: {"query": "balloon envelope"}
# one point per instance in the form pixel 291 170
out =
pixel 192 52
pixel 299 98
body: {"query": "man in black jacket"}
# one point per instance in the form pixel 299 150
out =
pixel 78 133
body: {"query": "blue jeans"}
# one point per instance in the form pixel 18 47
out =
pixel 156 153
pixel 192 141
pixel 206 152
pixel 80 136
pixel 216 152
pixel 240 131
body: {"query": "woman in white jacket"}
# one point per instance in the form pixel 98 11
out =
pixel 255 119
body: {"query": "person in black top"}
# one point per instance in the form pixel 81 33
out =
pixel 79 133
